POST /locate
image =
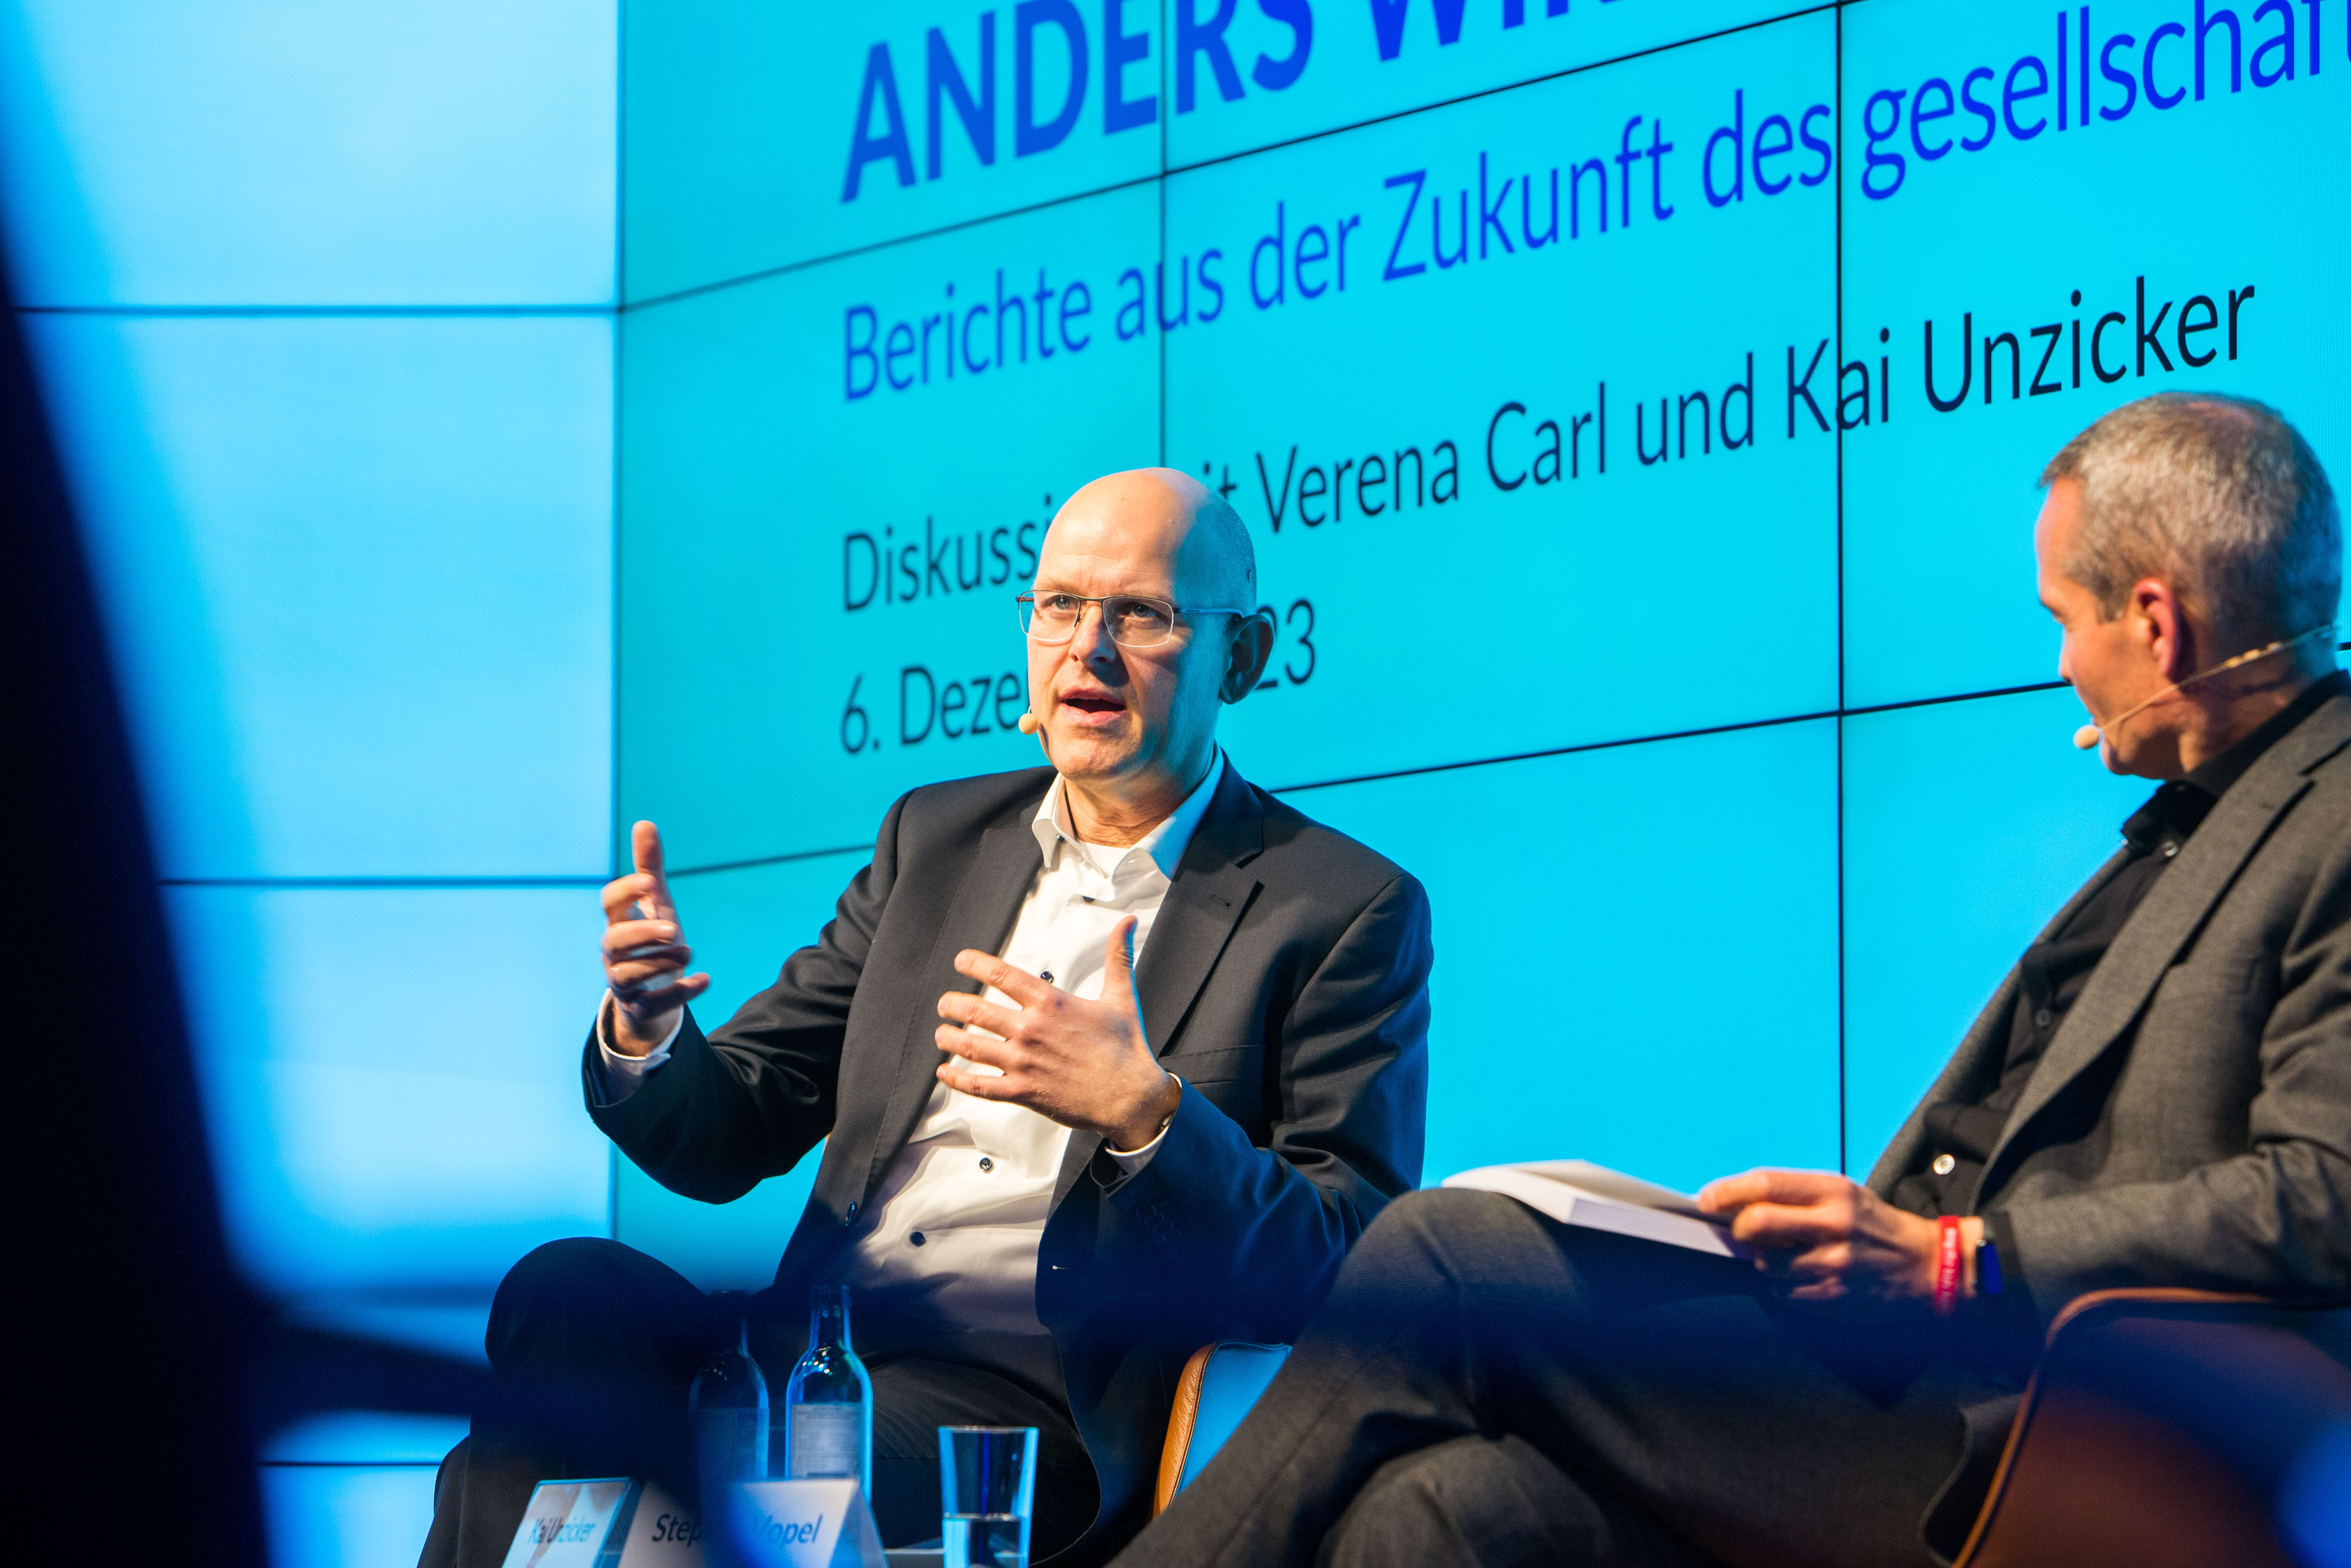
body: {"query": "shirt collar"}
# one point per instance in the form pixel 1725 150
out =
pixel 1162 848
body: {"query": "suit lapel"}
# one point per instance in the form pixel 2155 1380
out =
pixel 1211 888
pixel 2119 989
pixel 1985 1042
pixel 986 902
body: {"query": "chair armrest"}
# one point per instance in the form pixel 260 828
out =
pixel 2146 1296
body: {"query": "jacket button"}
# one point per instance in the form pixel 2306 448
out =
pixel 986 1164
pixel 2045 1017
pixel 1944 1164
pixel 917 1239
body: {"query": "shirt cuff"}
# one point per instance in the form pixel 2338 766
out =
pixel 1131 1161
pixel 618 1075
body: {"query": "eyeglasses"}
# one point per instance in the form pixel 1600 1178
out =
pixel 1135 621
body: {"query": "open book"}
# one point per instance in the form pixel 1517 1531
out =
pixel 1577 1192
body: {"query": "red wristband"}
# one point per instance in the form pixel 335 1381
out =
pixel 1950 1265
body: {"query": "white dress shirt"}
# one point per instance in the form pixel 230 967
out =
pixel 954 1232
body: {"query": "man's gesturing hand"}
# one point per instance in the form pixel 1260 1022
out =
pixel 1831 1237
pixel 644 956
pixel 1083 1064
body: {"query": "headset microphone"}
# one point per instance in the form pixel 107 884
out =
pixel 2089 734
pixel 1030 724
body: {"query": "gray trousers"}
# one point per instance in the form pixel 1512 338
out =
pixel 1485 1386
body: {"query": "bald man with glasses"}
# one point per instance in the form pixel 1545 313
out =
pixel 1107 1060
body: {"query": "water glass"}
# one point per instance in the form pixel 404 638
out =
pixel 987 1485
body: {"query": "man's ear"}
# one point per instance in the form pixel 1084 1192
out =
pixel 2163 624
pixel 1246 654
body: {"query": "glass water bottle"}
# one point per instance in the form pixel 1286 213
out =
pixel 828 1404
pixel 730 1401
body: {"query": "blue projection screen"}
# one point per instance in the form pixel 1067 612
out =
pixel 1638 410
pixel 498 422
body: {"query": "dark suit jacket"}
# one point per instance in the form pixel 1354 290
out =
pixel 1285 981
pixel 2191 1123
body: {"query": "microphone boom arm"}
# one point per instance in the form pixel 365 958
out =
pixel 2089 734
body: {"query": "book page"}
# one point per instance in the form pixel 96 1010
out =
pixel 1577 1192
pixel 1602 1182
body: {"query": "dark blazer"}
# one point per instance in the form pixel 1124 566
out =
pixel 2191 1122
pixel 1285 981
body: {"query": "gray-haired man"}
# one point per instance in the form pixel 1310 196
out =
pixel 2158 1094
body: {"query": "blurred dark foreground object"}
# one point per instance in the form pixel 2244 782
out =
pixel 149 1372
pixel 2178 1429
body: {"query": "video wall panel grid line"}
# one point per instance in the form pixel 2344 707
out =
pixel 1844 1151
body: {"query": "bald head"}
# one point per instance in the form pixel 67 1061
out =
pixel 1167 514
pixel 1131 725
